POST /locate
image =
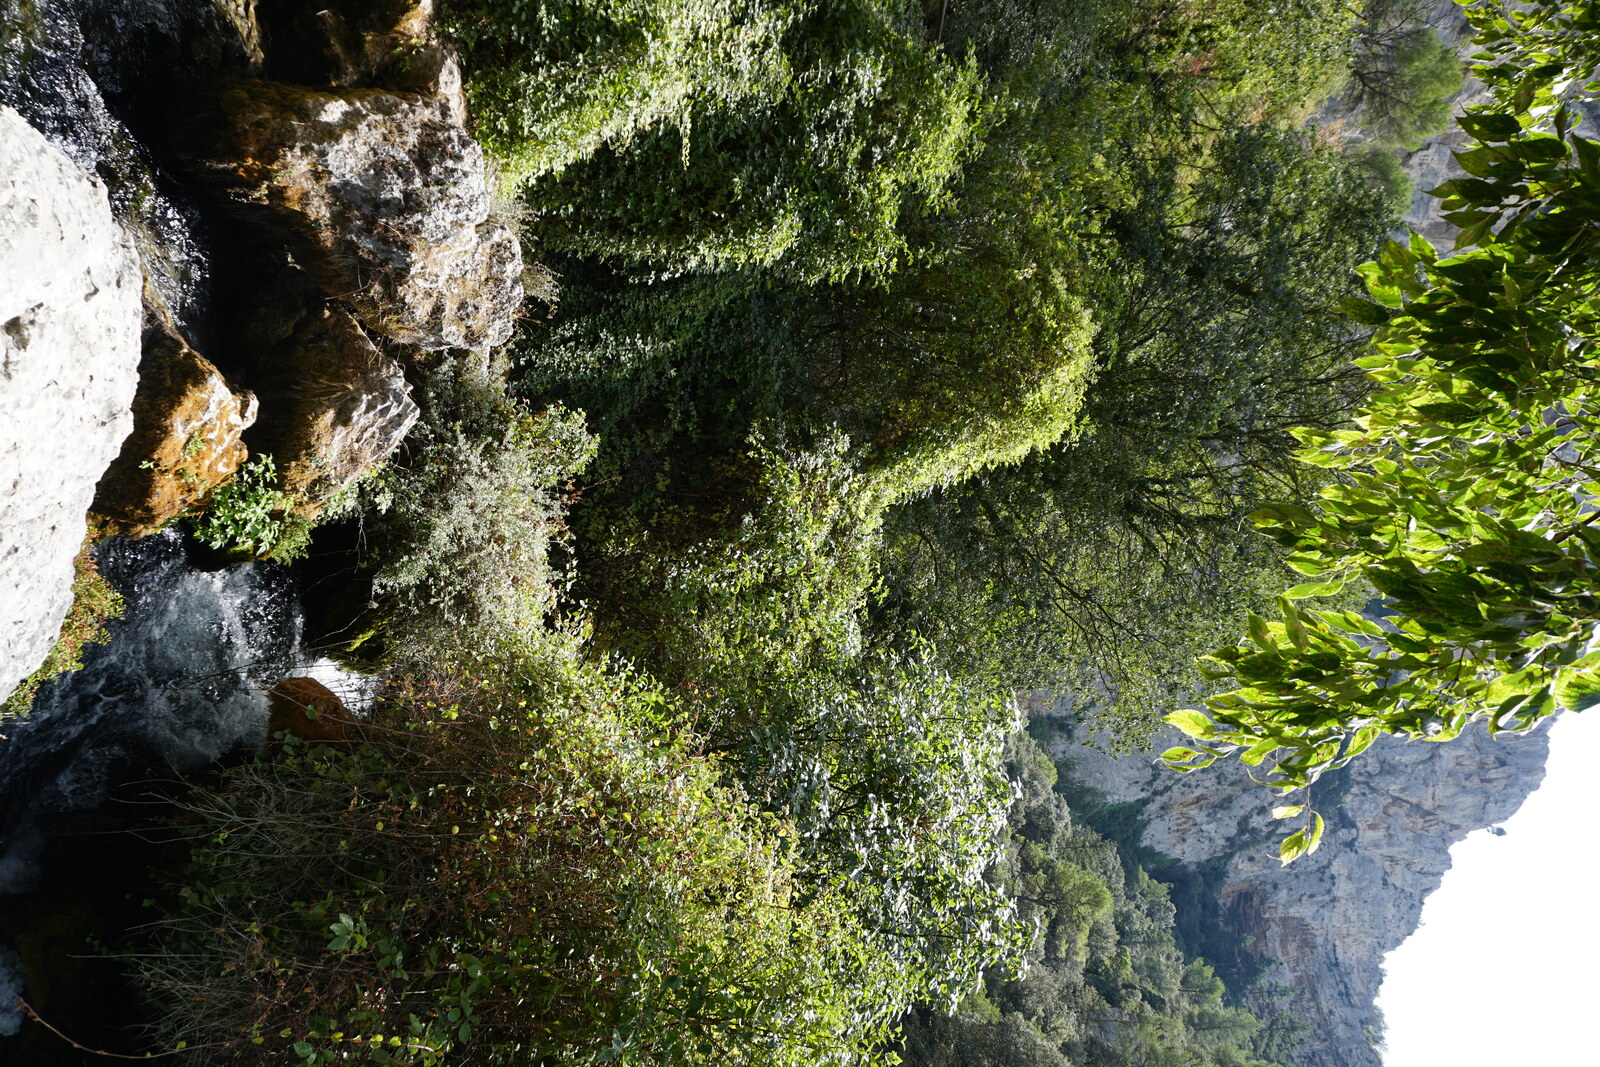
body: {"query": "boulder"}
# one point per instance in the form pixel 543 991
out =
pixel 347 407
pixel 186 440
pixel 385 198
pixel 307 709
pixel 432 69
pixel 69 354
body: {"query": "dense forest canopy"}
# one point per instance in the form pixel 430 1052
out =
pixel 892 357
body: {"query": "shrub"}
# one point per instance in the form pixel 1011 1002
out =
pixel 813 181
pixel 250 517
pixel 462 523
pixel 690 134
pixel 775 580
pixel 552 82
pixel 894 779
pixel 514 866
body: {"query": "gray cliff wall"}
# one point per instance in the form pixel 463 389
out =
pixel 1324 923
pixel 70 314
pixel 1433 162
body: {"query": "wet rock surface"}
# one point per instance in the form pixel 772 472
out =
pixel 385 199
pixel 347 408
pixel 69 351
pixel 348 44
pixel 305 708
pixel 354 164
pixel 1323 924
pixel 187 437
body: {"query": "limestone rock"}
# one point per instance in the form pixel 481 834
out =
pixel 1324 923
pixel 348 408
pixel 432 69
pixel 69 352
pixel 186 440
pixel 389 202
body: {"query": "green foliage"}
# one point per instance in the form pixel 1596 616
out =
pixel 94 604
pixel 1105 563
pixel 892 777
pixel 757 433
pixel 1464 487
pixel 510 866
pixel 776 586
pixel 813 178
pixel 250 516
pixel 551 83
pixel 1388 174
pixel 1401 75
pixel 707 134
pixel 901 331
pixel 1106 983
pixel 463 521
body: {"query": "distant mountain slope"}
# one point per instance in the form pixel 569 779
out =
pixel 1323 924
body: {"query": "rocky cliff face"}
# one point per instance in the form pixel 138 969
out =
pixel 170 163
pixel 1433 162
pixel 69 353
pixel 1323 924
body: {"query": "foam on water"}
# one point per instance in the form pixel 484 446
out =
pixel 182 682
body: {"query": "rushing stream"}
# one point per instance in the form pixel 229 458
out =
pixel 180 685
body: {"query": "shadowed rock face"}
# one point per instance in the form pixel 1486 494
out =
pixel 69 348
pixel 348 408
pixel 387 200
pixel 186 437
pixel 1323 924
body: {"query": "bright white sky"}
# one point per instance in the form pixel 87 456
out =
pixel 1505 968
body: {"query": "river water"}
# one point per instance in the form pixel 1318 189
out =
pixel 181 684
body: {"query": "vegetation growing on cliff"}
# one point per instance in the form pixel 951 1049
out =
pixel 1464 490
pixel 921 353
pixel 94 604
pixel 1107 983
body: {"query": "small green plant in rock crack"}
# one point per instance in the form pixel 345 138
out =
pixel 248 514
pixel 189 471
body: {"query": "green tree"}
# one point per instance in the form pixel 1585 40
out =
pixel 1098 563
pixel 893 779
pixel 1464 490
pixel 1401 74
pixel 685 135
pixel 1107 983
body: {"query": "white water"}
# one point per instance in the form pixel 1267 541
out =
pixel 181 683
